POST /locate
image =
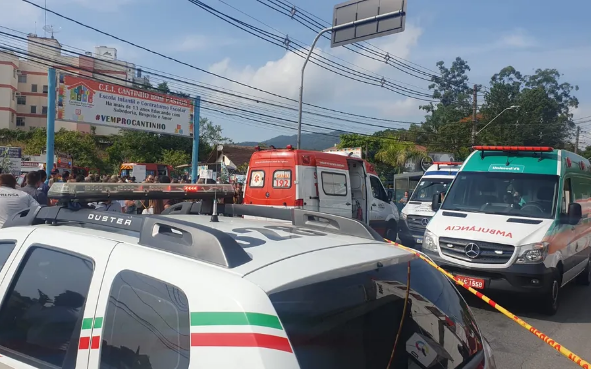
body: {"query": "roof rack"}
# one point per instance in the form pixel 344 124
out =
pixel 175 236
pixel 298 217
pixel 89 192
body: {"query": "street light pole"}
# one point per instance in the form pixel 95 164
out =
pixel 498 115
pixel 355 23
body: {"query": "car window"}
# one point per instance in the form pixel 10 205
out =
pixel 282 178
pixel 257 179
pixel 352 322
pixel 5 251
pixel 377 189
pixel 41 314
pixel 147 323
pixel 334 184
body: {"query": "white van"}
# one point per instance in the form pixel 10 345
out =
pixel 516 219
pixel 418 212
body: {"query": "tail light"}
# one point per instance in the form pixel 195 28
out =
pixel 299 203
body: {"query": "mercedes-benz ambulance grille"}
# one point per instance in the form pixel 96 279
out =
pixel 417 222
pixel 476 251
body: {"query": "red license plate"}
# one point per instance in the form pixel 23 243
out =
pixel 472 282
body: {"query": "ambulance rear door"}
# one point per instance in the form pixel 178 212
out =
pixel 334 191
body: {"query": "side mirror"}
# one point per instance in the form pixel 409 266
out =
pixel 436 202
pixel 575 213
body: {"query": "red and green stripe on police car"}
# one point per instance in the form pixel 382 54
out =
pixel 211 339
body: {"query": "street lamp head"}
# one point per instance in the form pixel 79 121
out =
pixel 514 107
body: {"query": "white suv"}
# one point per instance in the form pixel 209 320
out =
pixel 87 289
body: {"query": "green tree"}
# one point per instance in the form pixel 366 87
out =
pixel 446 127
pixel 175 158
pixel 544 116
pixel 398 153
pixel 163 87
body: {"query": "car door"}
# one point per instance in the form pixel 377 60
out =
pixel 143 312
pixel 334 192
pixel 49 298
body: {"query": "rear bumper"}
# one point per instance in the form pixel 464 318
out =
pixel 517 278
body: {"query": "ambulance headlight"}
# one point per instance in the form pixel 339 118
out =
pixel 431 241
pixel 404 215
pixel 533 253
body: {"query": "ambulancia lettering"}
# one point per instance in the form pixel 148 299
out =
pixel 109 219
pixel 496 232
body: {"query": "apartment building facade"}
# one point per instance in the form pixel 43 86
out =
pixel 24 82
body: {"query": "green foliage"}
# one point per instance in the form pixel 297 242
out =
pixel 107 153
pixel 544 117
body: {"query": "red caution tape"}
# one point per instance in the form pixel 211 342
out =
pixel 555 345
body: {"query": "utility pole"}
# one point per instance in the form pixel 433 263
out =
pixel 474 106
pixel 577 140
pixel 367 151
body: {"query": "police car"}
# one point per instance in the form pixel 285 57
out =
pixel 82 288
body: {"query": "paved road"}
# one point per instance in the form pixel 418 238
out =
pixel 514 347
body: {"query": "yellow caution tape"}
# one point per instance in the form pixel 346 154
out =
pixel 557 346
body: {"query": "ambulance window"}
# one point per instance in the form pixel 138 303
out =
pixel 257 179
pixel 146 325
pixel 282 179
pixel 334 184
pixel 377 189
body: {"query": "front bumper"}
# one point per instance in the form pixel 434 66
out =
pixel 408 236
pixel 517 278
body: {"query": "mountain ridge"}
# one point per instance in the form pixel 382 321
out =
pixel 310 141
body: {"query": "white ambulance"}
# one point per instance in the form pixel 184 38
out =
pixel 418 212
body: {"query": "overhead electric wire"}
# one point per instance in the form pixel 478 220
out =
pixel 67 68
pixel 198 85
pixel 286 38
pixel 385 57
pixel 315 58
pixel 197 68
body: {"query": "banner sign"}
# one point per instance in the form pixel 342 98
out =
pixel 10 160
pixel 83 100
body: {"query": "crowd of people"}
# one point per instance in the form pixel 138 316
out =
pixel 33 191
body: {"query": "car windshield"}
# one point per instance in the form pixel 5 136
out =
pixel 428 187
pixel 352 322
pixel 518 194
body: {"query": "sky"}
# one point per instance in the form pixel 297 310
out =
pixel 488 35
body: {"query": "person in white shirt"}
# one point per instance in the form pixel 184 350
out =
pixel 11 199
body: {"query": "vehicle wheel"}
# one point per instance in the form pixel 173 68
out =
pixel 584 278
pixel 391 231
pixel 551 299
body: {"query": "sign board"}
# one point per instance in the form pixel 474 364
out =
pixel 357 152
pixel 10 160
pixel 83 100
pixel 206 173
pixel 359 20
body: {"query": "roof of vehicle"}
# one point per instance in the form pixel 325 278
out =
pixel 520 160
pixel 238 245
pixel 443 169
pixel 304 157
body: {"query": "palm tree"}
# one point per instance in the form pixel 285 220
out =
pixel 398 153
